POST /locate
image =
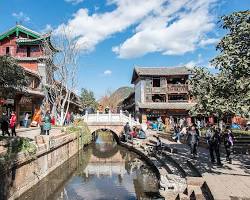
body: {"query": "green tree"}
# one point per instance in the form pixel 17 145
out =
pixel 228 91
pixel 12 78
pixel 88 99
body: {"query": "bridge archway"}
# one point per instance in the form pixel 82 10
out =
pixel 115 135
pixel 108 152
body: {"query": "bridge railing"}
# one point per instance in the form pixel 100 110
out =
pixel 109 118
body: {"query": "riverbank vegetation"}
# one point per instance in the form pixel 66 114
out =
pixel 15 147
pixel 80 128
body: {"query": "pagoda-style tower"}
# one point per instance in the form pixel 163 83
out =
pixel 27 47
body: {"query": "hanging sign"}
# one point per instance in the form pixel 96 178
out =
pixel 25 100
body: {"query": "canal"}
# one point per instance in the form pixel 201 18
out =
pixel 101 171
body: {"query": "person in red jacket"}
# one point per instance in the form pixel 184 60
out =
pixel 13 123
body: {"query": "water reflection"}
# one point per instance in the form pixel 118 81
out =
pixel 103 170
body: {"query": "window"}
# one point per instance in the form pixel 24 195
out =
pixel 177 98
pixel 180 80
pixel 159 98
pixel 156 82
pixel 28 51
pixel 7 50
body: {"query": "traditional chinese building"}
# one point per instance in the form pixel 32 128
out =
pixel 26 46
pixel 162 92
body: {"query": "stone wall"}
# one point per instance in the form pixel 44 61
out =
pixel 24 171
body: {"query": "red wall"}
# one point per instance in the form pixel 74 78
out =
pixel 21 51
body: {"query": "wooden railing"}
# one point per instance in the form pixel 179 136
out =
pixel 178 101
pixel 177 88
pixel 169 88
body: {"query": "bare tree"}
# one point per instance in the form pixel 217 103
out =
pixel 61 70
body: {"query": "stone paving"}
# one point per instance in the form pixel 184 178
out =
pixel 232 181
pixel 32 132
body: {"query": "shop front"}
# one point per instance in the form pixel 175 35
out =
pixel 7 106
pixel 27 104
pixel 164 114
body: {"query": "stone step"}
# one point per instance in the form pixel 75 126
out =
pixel 189 169
pixel 195 193
pixel 182 196
pixel 169 195
pixel 172 164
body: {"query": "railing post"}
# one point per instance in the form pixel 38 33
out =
pixel 120 115
pixel 86 116
pixel 130 120
pixel 97 116
pixel 109 116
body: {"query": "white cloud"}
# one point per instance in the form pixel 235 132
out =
pixel 192 63
pixel 190 22
pixel 209 41
pixel 21 16
pixel 92 29
pixel 47 28
pixel 199 62
pixel 74 2
pixel 107 72
pixel 170 27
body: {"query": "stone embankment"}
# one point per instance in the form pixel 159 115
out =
pixel 23 170
pixel 179 178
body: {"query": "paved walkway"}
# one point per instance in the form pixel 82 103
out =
pixel 32 132
pixel 232 181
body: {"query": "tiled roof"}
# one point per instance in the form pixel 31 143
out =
pixel 161 106
pixel 164 71
pixel 34 92
pixel 28 40
pixel 27 29
pixel 158 71
pixel 20 28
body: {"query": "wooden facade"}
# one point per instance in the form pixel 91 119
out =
pixel 26 46
pixel 162 92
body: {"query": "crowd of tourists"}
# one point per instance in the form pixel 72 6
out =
pixel 45 121
pixel 214 135
pixel 156 125
pixel 134 132
pixel 8 123
pixel 190 134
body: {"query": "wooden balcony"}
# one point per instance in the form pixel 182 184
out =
pixel 177 88
pixel 169 88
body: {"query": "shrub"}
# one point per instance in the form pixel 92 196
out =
pixel 23 145
pixel 81 128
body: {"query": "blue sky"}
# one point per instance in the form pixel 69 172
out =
pixel 120 34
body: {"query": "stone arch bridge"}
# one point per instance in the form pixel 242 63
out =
pixel 110 121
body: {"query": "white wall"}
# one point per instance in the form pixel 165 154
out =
pixel 139 91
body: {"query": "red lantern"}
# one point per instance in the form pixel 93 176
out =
pixel 2 101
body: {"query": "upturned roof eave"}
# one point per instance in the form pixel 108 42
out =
pixel 19 28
